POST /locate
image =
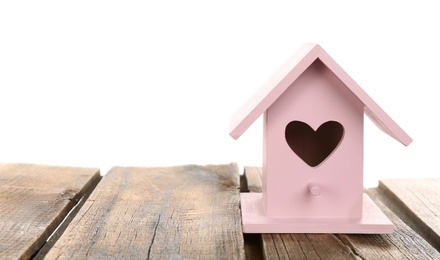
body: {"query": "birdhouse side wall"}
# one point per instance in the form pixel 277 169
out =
pixel 315 98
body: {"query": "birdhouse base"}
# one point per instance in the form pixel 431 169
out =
pixel 373 220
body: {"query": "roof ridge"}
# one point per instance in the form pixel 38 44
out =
pixel 288 73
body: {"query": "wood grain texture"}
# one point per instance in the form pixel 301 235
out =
pixel 184 212
pixel 253 176
pixel 417 201
pixel 34 200
pixel 404 243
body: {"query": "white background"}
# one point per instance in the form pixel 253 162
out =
pixel 138 83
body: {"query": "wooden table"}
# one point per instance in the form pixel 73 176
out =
pixel 187 212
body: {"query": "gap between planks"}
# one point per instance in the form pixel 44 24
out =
pixel 34 200
pixel 417 202
pixel 53 238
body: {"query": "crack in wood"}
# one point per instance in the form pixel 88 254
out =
pixel 154 236
pixel 349 246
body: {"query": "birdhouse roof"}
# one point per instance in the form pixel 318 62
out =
pixel 288 73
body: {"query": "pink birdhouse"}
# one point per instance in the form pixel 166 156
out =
pixel 312 150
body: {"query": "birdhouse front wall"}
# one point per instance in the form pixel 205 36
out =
pixel 313 149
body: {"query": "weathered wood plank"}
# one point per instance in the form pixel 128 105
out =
pixel 305 246
pixel 34 200
pixel 184 212
pixel 405 243
pixel 252 242
pixel 417 202
pixel 253 176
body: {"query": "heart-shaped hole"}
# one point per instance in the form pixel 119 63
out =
pixel 313 147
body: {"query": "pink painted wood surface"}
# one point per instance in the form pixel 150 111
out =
pixel 313 140
pixel 288 73
pixel 373 221
pixel 316 97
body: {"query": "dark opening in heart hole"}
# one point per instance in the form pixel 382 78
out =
pixel 313 147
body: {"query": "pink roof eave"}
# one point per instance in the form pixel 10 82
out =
pixel 288 73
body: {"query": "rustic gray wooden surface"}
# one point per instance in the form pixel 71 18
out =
pixel 187 212
pixel 34 200
pixel 417 201
pixel 404 243
pixel 184 212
